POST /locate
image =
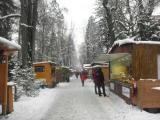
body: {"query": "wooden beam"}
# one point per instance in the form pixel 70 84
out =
pixel 4 86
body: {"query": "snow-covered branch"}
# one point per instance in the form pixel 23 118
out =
pixel 25 25
pixel 10 16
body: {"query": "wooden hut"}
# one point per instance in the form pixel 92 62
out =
pixel 59 74
pixel 135 71
pixel 47 71
pixel 65 74
pixel 6 96
pixel 88 70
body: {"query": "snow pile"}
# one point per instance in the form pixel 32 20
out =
pixel 63 84
pixel 156 88
pixel 33 108
pixel 11 83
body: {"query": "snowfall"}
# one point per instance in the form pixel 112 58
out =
pixel 71 101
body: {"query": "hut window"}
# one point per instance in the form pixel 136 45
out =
pixel 39 68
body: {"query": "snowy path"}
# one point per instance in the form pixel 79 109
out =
pixel 76 103
pixel 71 101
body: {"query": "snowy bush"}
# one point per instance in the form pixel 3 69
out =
pixel 24 79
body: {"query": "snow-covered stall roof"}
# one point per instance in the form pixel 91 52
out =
pixel 102 63
pixel 131 41
pixel 9 45
pixel 111 57
pixel 87 66
pixel 44 62
pixel 66 67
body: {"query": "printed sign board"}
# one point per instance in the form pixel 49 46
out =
pixel 112 86
pixel 126 91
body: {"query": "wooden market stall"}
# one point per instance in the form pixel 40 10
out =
pixel 65 74
pixel 88 70
pixel 135 71
pixel 59 74
pixel 6 96
pixel 47 72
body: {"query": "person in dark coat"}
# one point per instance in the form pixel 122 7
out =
pixel 76 74
pixel 95 80
pixel 100 81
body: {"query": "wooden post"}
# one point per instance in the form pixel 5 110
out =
pixel 9 99
pixel 109 70
pixel 4 86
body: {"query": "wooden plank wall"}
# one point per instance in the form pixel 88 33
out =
pixel 148 97
pixel 2 78
pixel 144 61
pixel 105 71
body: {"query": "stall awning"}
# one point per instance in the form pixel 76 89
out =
pixel 111 57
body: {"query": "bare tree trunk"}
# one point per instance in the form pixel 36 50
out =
pixel 28 28
pixel 24 32
pixel 140 21
pixel 131 18
pixel 34 22
pixel 151 5
pixel 145 14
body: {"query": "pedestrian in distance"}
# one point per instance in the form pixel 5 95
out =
pixel 76 74
pixel 100 81
pixel 83 77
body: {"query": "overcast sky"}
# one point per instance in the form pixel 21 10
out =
pixel 78 13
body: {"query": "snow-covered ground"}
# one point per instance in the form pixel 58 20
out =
pixel 71 101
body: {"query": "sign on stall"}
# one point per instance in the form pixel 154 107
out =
pixel 112 86
pixel 126 91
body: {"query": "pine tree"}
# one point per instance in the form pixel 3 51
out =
pixel 25 81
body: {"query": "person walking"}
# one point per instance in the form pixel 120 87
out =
pixel 100 81
pixel 83 77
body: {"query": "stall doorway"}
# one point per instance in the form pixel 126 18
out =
pixel 158 67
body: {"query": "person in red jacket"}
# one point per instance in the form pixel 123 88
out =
pixel 83 77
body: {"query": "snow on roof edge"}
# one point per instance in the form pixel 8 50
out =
pixel 10 44
pixel 131 41
pixel 44 62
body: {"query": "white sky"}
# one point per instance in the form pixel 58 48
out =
pixel 78 13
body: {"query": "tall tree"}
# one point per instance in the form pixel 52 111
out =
pixel 27 29
pixel 109 19
pixel 146 27
pixel 51 32
pixel 92 40
pixel 7 7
